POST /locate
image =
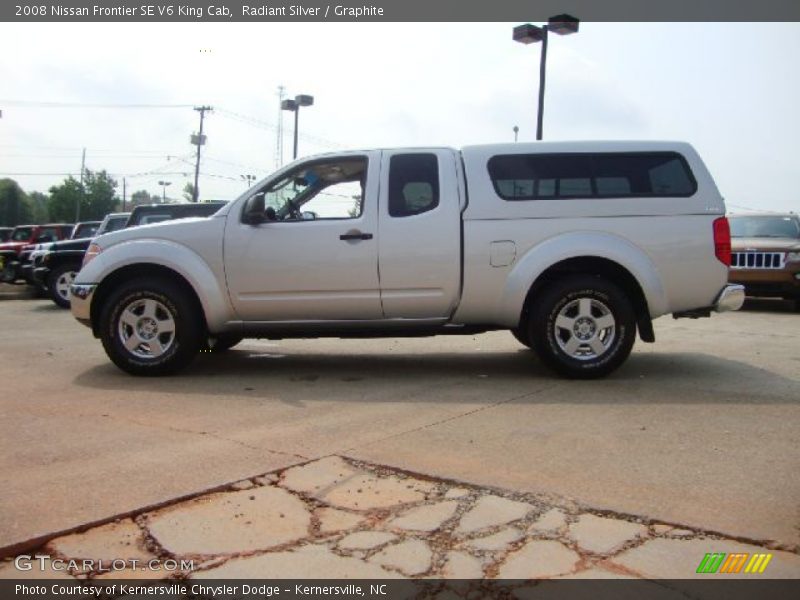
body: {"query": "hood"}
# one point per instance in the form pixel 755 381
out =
pixel 765 243
pixel 79 244
pixel 14 246
pixel 177 229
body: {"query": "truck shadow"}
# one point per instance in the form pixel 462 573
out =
pixel 295 377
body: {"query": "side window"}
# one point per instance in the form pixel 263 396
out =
pixel 48 234
pixel 413 184
pixel 330 189
pixel 591 175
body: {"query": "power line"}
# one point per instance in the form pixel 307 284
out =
pixel 38 104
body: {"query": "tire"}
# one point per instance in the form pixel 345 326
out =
pixel 151 327
pixel 582 327
pixel 58 282
pixel 521 335
pixel 221 343
pixel 8 274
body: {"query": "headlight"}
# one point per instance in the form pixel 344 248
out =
pixel 792 256
pixel 92 251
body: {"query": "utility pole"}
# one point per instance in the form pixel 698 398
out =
pixel 124 193
pixel 198 140
pixel 83 192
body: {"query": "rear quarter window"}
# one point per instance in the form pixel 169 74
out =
pixel 591 175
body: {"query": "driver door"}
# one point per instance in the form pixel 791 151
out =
pixel 315 257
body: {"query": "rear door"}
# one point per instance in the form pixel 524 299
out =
pixel 419 243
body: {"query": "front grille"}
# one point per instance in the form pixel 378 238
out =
pixel 757 260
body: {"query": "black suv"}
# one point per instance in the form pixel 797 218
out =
pixel 57 268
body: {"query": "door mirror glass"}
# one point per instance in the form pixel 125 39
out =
pixel 254 209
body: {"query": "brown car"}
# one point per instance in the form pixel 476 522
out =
pixel 766 254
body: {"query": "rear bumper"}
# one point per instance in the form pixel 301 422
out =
pixel 80 298
pixel 730 298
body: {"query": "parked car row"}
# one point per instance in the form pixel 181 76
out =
pixel 49 256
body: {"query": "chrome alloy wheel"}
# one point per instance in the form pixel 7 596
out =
pixel 585 328
pixel 146 328
pixel 63 282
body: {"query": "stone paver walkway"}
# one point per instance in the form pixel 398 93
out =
pixel 337 518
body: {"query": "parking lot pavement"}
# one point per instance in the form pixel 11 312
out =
pixel 338 518
pixel 698 431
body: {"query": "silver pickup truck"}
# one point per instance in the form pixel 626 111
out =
pixel 573 247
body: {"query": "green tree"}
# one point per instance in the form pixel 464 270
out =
pixel 38 202
pixel 96 199
pixel 63 200
pixel 14 206
pixel 188 192
pixel 142 197
pixel 101 196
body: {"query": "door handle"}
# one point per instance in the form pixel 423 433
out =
pixel 355 236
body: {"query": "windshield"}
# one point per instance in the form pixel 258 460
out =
pixel 768 227
pixel 85 230
pixel 21 234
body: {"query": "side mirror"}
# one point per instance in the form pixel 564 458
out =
pixel 254 210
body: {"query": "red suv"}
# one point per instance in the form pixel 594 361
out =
pixel 24 235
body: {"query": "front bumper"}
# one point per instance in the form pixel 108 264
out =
pixel 80 301
pixel 27 272
pixel 40 275
pixel 780 283
pixel 730 298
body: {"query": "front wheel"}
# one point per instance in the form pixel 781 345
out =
pixel 58 282
pixel 582 327
pixel 151 327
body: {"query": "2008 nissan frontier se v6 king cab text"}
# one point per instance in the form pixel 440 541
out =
pixel 573 247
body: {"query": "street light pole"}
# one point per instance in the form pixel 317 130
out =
pixel 530 34
pixel 542 75
pixel 294 106
pixel 164 185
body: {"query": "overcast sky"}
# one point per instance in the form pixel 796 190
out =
pixel 732 90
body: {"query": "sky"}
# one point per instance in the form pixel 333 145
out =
pixel 730 89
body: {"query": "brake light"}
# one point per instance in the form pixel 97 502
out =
pixel 722 241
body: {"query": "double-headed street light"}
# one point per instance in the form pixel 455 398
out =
pixel 248 179
pixel 294 106
pixel 164 185
pixel 530 34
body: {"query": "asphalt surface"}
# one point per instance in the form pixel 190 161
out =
pixel 699 429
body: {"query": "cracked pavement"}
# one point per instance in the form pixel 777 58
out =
pixel 699 430
pixel 341 518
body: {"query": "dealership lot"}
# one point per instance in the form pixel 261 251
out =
pixel 698 430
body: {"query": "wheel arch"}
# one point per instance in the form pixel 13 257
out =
pixel 589 253
pixel 600 267
pixel 132 271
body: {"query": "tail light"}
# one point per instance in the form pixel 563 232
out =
pixel 722 241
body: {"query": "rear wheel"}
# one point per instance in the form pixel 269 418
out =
pixel 582 327
pixel 58 283
pixel 151 327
